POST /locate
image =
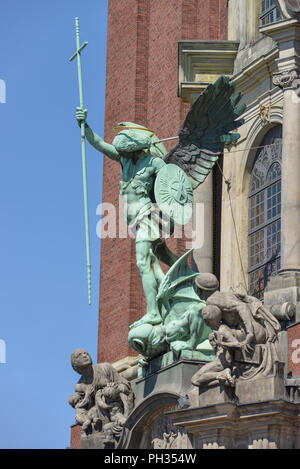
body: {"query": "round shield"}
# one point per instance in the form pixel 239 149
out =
pixel 174 194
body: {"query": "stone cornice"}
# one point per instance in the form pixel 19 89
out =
pixel 287 36
pixel 262 66
pixel 201 63
pixel 285 29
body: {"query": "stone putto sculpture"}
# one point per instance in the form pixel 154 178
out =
pixel 102 399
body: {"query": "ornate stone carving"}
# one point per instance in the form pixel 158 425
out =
pixel 102 399
pixel 267 166
pixel 264 114
pixel 262 443
pixel 167 436
pixel 289 8
pixel 245 338
pixel 288 79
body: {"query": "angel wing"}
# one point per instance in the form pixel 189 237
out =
pixel 206 129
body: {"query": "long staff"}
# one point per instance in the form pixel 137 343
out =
pixel 85 195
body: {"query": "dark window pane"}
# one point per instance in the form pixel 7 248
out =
pixel 264 245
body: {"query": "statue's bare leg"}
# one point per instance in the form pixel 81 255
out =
pixel 208 374
pixel 216 372
pixel 158 272
pixel 144 264
pixel 196 325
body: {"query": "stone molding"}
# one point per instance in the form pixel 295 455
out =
pixel 263 425
pixel 201 63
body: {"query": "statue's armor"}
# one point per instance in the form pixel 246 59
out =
pixel 135 189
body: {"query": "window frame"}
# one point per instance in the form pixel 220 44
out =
pixel 265 13
pixel 263 226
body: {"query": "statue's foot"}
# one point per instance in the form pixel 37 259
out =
pixel 225 377
pixel 143 362
pixel 149 318
pixel 179 345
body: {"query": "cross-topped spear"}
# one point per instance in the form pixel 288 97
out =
pixel 82 125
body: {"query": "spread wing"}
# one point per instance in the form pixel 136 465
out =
pixel 179 274
pixel 206 129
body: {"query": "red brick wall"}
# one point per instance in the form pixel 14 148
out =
pixel 76 436
pixel 294 350
pixel 141 87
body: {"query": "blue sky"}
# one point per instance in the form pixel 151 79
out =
pixel 44 305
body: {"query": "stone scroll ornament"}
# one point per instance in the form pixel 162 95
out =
pixel 102 399
pixel 157 189
pixel 245 338
pixel 289 8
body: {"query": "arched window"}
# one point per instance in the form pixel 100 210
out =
pixel 264 212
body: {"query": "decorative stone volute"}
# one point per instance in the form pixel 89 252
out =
pixel 289 8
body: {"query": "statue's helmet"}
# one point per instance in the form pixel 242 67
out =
pixel 135 137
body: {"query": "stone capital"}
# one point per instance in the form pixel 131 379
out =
pixel 288 79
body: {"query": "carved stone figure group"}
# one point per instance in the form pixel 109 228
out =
pixel 102 399
pixel 245 339
pixel 184 309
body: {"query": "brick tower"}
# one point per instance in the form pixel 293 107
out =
pixel 142 87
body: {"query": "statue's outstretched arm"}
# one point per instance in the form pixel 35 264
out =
pixel 94 139
pixel 98 143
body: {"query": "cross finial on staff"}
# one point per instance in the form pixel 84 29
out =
pixel 82 126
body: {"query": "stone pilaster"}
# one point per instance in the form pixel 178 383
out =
pixel 289 81
pixel 203 220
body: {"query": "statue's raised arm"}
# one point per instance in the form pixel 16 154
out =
pixel 94 139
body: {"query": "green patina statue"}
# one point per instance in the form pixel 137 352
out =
pixel 153 178
pixel 182 326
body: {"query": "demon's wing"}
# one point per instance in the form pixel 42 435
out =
pixel 178 276
pixel 206 129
